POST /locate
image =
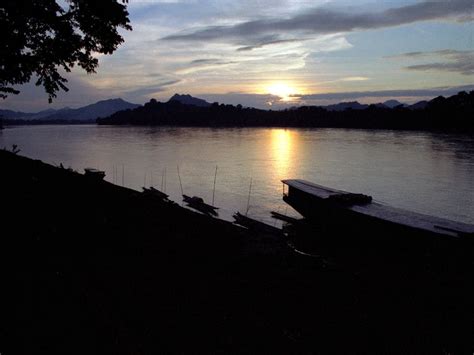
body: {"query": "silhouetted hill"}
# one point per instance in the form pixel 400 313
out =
pixel 419 105
pixel 83 114
pixel 392 103
pixel 342 106
pixel 453 113
pixel 18 115
pixel 189 100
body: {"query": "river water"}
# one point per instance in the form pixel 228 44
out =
pixel 425 172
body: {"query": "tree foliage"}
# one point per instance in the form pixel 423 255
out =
pixel 41 37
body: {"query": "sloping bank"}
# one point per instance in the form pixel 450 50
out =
pixel 96 268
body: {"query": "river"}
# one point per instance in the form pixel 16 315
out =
pixel 431 173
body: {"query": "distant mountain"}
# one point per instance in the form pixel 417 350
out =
pixel 419 105
pixel 342 106
pixel 18 115
pixel 189 100
pixel 392 103
pixel 91 112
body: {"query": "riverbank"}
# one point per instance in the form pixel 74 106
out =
pixel 94 267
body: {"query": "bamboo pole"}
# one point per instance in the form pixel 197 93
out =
pixel 248 200
pixel 179 177
pixel 214 189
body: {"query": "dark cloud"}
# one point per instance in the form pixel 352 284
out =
pixel 327 21
pixel 211 61
pixel 356 95
pixel 461 62
pixel 263 44
pixel 143 91
pixel 443 52
pixel 449 60
pixel 204 61
pixel 461 67
pixel 268 101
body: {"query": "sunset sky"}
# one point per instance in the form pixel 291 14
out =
pixel 279 53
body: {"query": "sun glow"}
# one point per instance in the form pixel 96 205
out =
pixel 283 90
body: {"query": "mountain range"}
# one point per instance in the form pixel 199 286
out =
pixel 106 108
pixel 442 114
pixel 350 105
pixel 87 113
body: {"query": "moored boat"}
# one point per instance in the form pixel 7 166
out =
pixel 359 214
pixel 94 174
pixel 254 224
pixel 151 191
pixel 198 204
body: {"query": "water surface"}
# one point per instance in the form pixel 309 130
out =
pixel 424 172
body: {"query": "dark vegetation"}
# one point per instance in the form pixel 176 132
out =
pixel 91 267
pixel 450 114
pixel 40 38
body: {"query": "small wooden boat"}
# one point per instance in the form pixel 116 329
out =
pixel 283 217
pixel 198 204
pixel 254 224
pixel 151 191
pixel 94 174
pixel 359 214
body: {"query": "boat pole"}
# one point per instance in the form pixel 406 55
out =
pixel 162 180
pixel 214 190
pixel 248 200
pixel 180 184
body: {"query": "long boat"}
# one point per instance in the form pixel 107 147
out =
pixel 254 224
pixel 198 204
pixel 360 215
pixel 151 191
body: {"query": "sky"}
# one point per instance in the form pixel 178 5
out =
pixel 279 53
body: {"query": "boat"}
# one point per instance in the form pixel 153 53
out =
pixel 151 191
pixel 283 217
pixel 254 224
pixel 198 204
pixel 94 174
pixel 360 215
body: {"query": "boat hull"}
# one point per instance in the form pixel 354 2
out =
pixel 365 224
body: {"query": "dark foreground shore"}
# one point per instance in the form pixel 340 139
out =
pixel 89 267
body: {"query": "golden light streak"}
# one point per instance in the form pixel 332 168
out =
pixel 282 149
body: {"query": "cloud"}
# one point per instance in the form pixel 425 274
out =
pixel 327 21
pixel 448 60
pixel 268 43
pixel 151 89
pixel 461 62
pixel 355 78
pixel 268 101
pixel 413 93
pixel 203 64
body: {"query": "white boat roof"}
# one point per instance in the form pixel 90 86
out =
pixel 388 213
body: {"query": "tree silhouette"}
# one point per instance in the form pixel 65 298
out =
pixel 41 37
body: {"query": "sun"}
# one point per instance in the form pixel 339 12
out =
pixel 284 91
